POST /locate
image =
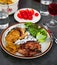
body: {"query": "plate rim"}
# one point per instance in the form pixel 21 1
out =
pixel 23 57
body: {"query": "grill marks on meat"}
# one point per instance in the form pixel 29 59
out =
pixel 30 48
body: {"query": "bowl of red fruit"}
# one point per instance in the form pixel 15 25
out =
pixel 27 15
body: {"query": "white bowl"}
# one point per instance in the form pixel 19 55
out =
pixel 13 7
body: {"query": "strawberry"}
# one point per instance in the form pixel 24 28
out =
pixel 27 11
pixel 25 16
pixel 30 17
pixel 32 11
pixel 21 11
pixel 19 15
pixel 36 14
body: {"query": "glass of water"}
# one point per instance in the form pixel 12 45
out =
pixel 44 7
pixel 4 16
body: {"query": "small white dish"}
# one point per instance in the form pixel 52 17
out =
pixel 34 20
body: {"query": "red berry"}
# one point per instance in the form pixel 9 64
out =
pixel 32 11
pixel 36 14
pixel 25 16
pixel 19 15
pixel 30 17
pixel 27 11
pixel 21 11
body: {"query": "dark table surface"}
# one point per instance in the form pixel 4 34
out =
pixel 48 59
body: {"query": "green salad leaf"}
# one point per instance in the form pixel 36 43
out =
pixel 27 24
pixel 33 31
pixel 32 28
pixel 39 33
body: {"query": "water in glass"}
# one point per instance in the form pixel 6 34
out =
pixel 44 7
pixel 4 18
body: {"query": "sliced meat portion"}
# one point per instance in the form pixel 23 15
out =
pixel 30 48
pixel 32 45
pixel 23 52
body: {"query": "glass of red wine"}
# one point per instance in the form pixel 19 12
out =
pixel 52 8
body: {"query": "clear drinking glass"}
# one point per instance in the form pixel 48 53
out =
pixel 52 8
pixel 44 7
pixel 4 16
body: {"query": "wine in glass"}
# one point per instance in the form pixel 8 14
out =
pixel 52 8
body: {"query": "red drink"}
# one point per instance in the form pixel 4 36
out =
pixel 52 8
